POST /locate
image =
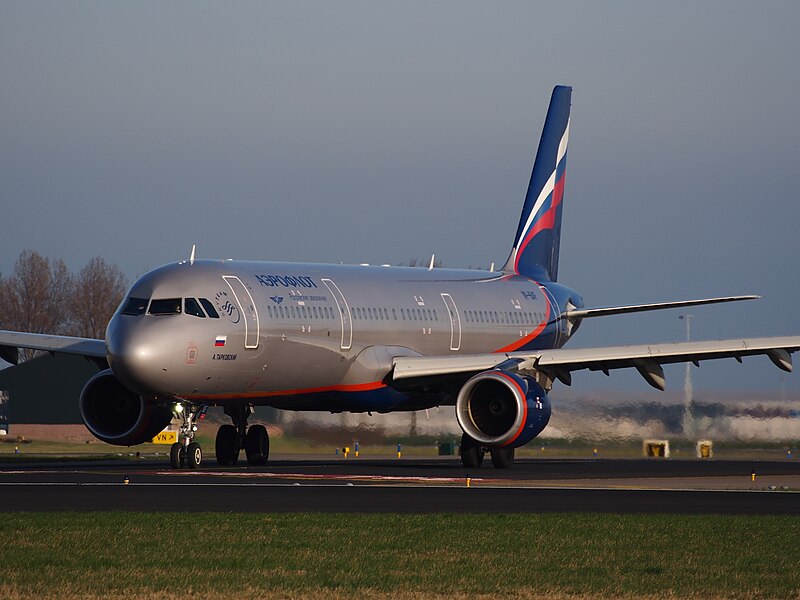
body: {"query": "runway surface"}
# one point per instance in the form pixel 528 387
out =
pixel 408 485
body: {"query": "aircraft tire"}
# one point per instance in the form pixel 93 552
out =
pixel 194 455
pixel 256 445
pixel 471 452
pixel 176 455
pixel 227 446
pixel 502 458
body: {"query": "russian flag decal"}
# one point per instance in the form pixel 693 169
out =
pixel 220 341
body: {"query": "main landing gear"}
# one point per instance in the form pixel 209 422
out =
pixel 472 453
pixel 232 438
pixel 187 452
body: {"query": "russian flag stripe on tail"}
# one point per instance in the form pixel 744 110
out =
pixel 536 245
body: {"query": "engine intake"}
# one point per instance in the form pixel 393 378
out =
pixel 115 415
pixel 502 409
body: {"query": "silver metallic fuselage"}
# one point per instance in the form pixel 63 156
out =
pixel 321 337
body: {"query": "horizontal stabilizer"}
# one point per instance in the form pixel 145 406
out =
pixel 575 315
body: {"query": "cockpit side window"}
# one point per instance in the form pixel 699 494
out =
pixel 168 306
pixel 191 307
pixel 212 312
pixel 135 306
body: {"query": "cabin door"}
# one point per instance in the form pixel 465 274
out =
pixel 247 307
pixel 344 313
pixel 455 322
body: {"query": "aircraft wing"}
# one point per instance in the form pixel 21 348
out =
pixel 10 341
pixel 559 363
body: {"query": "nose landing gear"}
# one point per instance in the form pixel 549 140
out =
pixel 186 452
pixel 232 438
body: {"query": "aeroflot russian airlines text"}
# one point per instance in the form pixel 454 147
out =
pixel 276 280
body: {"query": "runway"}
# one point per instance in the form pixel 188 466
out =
pixel 408 485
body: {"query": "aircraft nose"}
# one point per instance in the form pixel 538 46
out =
pixel 134 355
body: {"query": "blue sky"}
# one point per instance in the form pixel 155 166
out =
pixel 379 132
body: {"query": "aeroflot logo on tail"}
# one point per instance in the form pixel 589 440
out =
pixel 286 281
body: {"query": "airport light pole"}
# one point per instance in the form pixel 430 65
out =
pixel 688 425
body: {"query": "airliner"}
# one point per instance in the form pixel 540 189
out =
pixel 361 338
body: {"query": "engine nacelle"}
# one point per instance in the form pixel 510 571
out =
pixel 502 409
pixel 115 415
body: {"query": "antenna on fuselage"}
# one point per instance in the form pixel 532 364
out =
pixel 491 269
pixel 430 268
pixel 191 257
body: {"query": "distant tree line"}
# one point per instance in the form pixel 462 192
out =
pixel 42 296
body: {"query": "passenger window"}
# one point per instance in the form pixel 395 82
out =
pixel 369 312
pixel 168 306
pixel 210 310
pixel 394 314
pixel 135 306
pixel 192 307
pixel 403 313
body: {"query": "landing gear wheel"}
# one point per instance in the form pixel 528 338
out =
pixel 256 445
pixel 194 455
pixel 177 455
pixel 227 446
pixel 471 452
pixel 502 458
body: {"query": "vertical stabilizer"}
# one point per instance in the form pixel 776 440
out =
pixel 535 251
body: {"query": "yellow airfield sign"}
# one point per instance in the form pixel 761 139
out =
pixel 166 437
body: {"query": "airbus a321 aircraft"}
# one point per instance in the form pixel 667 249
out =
pixel 337 338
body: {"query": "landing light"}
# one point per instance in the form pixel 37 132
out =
pixel 178 408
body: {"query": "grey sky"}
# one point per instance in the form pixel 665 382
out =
pixel 378 132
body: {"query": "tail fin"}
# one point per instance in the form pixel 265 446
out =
pixel 535 251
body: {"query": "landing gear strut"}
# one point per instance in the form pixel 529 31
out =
pixel 472 453
pixel 232 438
pixel 187 452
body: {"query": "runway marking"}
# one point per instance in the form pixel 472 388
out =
pixel 322 476
pixel 386 487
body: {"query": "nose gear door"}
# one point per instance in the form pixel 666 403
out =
pixel 241 294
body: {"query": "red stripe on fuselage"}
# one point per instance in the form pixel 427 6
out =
pixel 531 336
pixel 358 387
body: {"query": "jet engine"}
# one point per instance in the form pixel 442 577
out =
pixel 502 409
pixel 115 415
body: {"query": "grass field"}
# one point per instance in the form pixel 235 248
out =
pixel 291 445
pixel 214 555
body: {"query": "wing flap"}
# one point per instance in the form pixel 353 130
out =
pixel 646 358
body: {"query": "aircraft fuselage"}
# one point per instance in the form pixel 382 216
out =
pixel 319 337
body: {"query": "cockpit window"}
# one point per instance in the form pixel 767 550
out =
pixel 212 312
pixel 191 307
pixel 135 306
pixel 169 306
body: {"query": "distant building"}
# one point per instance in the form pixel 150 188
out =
pixel 44 391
